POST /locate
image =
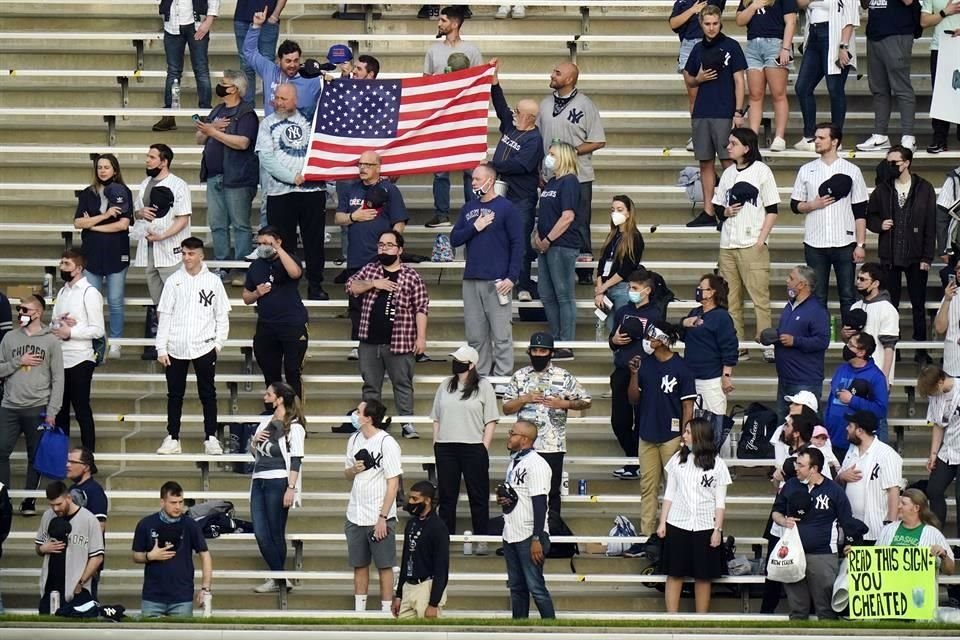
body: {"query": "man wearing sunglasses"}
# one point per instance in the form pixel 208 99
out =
pixel 31 364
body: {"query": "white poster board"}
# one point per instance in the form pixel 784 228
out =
pixel 946 93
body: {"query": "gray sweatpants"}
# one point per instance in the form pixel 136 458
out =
pixel 13 422
pixel 489 327
pixel 817 586
pixel 375 359
pixel 889 77
pixel 157 276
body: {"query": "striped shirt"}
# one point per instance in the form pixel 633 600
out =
pixel 370 487
pixel 166 253
pixel 882 468
pixel 943 410
pixel 832 226
pixel 529 475
pixel 742 230
pixel 194 315
pixel 695 494
pixel 409 299
pixel 951 341
pixel 838 13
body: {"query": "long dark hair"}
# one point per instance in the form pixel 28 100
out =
pixel 471 387
pixel 292 411
pixel 117 175
pixel 702 447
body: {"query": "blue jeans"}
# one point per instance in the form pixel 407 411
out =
pixel 557 269
pixel 270 520
pixel 525 579
pixel 789 389
pixel 173 48
pixel 228 209
pixel 266 45
pixel 150 609
pixel 528 209
pixel 618 296
pixel 813 67
pixel 841 259
pixel 441 191
pixel 116 287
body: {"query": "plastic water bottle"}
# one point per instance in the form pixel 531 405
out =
pixel 467 545
pixel 175 95
pixel 54 602
pixel 47 285
pixel 207 604
pixel 565 484
pixel 600 332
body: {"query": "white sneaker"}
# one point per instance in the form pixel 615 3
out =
pixel 409 432
pixel 211 447
pixel 805 144
pixel 524 296
pixel 689 146
pixel 503 12
pixel 778 144
pixel 481 549
pixel 270 586
pixel 114 351
pixel 908 142
pixel 519 12
pixel 169 446
pixel 875 142
pixel 354 354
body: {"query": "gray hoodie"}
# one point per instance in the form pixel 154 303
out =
pixel 28 387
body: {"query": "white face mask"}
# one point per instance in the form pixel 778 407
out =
pixel 647 347
pixel 549 163
pixel 24 321
pixel 618 218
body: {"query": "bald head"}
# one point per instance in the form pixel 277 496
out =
pixel 369 165
pixel 564 77
pixel 285 99
pixel 526 114
pixel 522 436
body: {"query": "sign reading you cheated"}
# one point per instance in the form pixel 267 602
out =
pixel 892 582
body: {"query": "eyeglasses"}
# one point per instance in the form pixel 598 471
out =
pixel 863 279
pixel 368 165
pixel 707 289
pixel 76 462
pixel 387 245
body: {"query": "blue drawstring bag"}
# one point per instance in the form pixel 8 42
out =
pixel 51 457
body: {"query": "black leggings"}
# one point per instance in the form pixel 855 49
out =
pixel 940 478
pixel 280 350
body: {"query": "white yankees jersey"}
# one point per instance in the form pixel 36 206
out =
pixel 742 231
pixel 943 410
pixel 882 468
pixel 695 494
pixel 166 253
pixel 529 475
pixel 370 486
pixel 194 315
pixel 950 191
pixel 951 341
pixel 832 226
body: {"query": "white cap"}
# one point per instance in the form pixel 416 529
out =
pixel 466 354
pixel 805 398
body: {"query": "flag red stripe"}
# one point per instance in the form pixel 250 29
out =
pixel 356 149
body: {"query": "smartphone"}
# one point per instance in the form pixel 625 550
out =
pixel 196 117
pixel 952 280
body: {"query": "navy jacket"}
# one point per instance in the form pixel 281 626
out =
pixel 809 324
pixel 712 345
pixel 518 154
pixel 829 513
pixel 494 253
pixel 240 168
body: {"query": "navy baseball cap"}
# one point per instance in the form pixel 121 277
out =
pixel 118 196
pixel 339 53
pixel 742 193
pixel 162 199
pixel 541 340
pixel 863 419
pixel 838 186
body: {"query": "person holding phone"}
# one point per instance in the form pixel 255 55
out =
pixel 626 341
pixel 621 255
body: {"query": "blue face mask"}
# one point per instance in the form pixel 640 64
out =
pixel 167 519
pixel 635 297
pixel 355 420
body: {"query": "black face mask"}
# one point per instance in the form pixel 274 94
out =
pixel 460 367
pixel 387 259
pixel 152 173
pixel 863 291
pixel 104 182
pixel 848 354
pixel 222 90
pixel 415 509
pixel 539 363
pixel 66 276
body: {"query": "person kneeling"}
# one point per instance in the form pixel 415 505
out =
pixel 425 564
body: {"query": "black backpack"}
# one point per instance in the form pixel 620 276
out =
pixel 759 423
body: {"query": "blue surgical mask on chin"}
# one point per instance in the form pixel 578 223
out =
pixel 164 518
pixel 355 420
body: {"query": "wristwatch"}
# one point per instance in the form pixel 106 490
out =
pixel 943 14
pixel 861 245
pixel 843 46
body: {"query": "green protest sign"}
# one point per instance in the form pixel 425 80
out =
pixel 892 582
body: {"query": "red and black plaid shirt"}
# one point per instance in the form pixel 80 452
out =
pixel 409 299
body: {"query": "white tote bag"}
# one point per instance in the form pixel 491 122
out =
pixel 787 563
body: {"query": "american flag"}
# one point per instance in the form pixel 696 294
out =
pixel 418 125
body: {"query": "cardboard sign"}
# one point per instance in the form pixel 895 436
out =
pixel 946 92
pixel 892 582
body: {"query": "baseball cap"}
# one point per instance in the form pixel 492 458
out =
pixel 117 196
pixel 742 193
pixel 162 199
pixel 769 336
pixel 713 59
pixel 541 339
pixel 862 388
pixel 838 186
pixel 339 53
pixel 466 353
pixel 59 529
pixel 376 197
pixel 457 62
pixel 798 504
pixel 311 68
pixel 863 419
pixel 820 430
pixel 805 398
pixel 856 319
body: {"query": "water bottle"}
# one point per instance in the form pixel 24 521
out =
pixel 565 484
pixel 48 285
pixel 54 602
pixel 467 545
pixel 207 604
pixel 175 95
pixel 600 332
pixel 834 321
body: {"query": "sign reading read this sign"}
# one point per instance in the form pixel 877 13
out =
pixel 892 582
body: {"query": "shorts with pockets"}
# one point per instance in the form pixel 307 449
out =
pixel 361 549
pixel 710 137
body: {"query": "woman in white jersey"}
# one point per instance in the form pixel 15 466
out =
pixel 943 396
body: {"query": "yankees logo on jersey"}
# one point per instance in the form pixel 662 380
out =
pixel 519 476
pixel 206 297
pixel 875 473
pixel 668 383
pixel 822 503
pixel 707 480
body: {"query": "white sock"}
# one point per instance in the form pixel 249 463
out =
pixel 385 606
pixel 359 603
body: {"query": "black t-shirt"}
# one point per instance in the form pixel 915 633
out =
pixel 57 569
pixel 283 305
pixel 890 18
pixel 383 314
pixel 768 22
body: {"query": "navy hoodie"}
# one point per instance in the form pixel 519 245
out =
pixel 710 346
pixel 518 154
pixel 809 324
pixel 494 253
pixel 876 403
pixel 829 513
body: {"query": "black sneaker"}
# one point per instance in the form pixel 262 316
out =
pixel 317 293
pixel 346 427
pixel 703 220
pixel 937 147
pixel 28 507
pixel 562 354
pixel 438 221
pixel 149 354
pixel 341 278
